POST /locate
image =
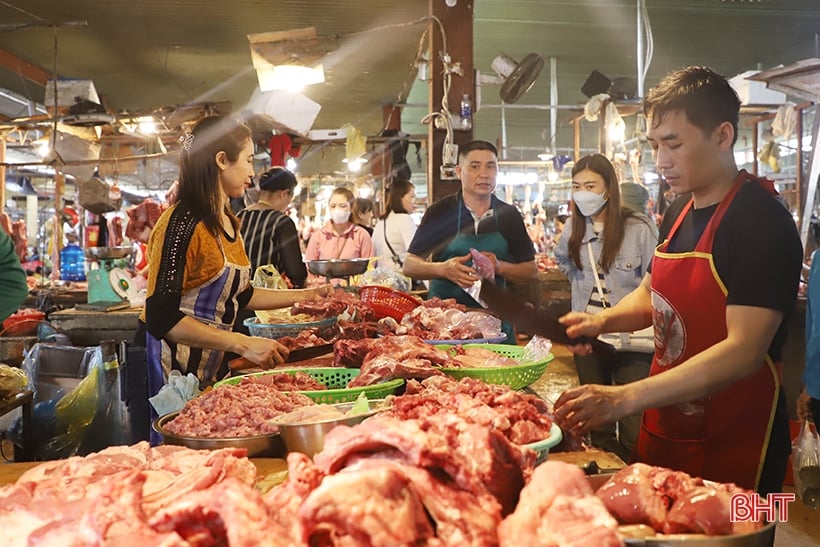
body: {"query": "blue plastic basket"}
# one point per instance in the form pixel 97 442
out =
pixel 277 330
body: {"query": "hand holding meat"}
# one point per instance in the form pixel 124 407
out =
pixel 264 352
pixel 580 324
pixel 457 271
pixel 588 407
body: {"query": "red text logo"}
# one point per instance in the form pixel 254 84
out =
pixel 749 507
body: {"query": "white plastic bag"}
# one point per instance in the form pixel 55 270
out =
pixel 806 463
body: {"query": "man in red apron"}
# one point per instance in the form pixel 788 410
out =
pixel 722 280
pixel 472 219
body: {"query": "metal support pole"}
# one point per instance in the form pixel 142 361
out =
pixel 553 103
pixel 503 133
pixel 639 55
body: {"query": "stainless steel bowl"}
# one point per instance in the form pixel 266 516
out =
pixel 309 438
pixel 259 446
pixel 108 252
pixel 342 267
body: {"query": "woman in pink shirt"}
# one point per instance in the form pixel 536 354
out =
pixel 339 237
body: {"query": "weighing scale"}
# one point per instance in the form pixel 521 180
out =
pixel 109 288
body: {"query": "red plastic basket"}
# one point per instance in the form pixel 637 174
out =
pixel 387 302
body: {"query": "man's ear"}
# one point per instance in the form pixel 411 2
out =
pixel 726 136
pixel 221 159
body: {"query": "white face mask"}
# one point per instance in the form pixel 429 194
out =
pixel 588 203
pixel 339 216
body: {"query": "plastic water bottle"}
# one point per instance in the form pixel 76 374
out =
pixel 72 263
pixel 466 112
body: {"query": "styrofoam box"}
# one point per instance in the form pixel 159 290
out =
pixel 751 92
pixel 327 134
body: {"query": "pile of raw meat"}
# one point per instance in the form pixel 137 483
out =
pixel 521 417
pixel 432 481
pixel 126 496
pixel 446 319
pixel 338 303
pixel 437 480
pixel 228 411
pixel 672 502
pixel 382 359
pixel 286 381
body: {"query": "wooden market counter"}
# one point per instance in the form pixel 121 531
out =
pixel 89 328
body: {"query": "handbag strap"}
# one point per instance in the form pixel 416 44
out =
pixel 395 255
pixel 595 275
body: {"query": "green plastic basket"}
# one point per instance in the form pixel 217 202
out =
pixel 542 448
pixel 336 380
pixel 515 376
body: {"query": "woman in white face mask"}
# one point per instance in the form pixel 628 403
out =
pixel 605 256
pixel 339 237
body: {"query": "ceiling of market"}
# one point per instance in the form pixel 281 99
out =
pixel 148 54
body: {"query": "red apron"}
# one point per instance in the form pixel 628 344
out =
pixel 722 437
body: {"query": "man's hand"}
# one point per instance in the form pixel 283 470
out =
pixel 456 270
pixel 582 324
pixel 264 352
pixel 589 407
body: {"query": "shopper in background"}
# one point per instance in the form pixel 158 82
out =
pixel 198 273
pixel 363 214
pixel 606 255
pixel 13 286
pixel 472 218
pixel 808 404
pixel 396 228
pixel 269 234
pixel 720 286
pixel 339 237
pixel 635 196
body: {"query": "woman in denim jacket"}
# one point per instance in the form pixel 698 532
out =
pixel 621 243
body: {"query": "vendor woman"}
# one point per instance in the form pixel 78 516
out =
pixel 199 274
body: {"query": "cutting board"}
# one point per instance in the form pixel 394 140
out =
pixel 606 461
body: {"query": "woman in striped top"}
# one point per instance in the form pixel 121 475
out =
pixel 270 236
pixel 605 255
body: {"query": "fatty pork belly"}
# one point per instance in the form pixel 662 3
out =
pixel 285 499
pixel 559 509
pixel 476 458
pixel 369 507
pixel 460 518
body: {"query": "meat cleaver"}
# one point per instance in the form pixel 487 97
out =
pixel 299 354
pixel 525 316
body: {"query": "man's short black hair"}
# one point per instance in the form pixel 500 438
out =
pixel 702 94
pixel 476 145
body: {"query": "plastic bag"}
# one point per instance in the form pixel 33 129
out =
pixel 175 393
pixel 268 277
pixel 12 380
pixel 386 277
pixel 806 463
pixel 537 349
pixel 78 403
